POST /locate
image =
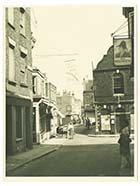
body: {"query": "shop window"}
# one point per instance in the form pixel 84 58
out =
pixel 22 21
pixel 19 123
pixel 118 84
pixel 11 16
pixel 11 62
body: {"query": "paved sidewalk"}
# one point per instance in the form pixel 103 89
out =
pixel 58 140
pixel 18 160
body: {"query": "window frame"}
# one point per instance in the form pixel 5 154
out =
pixel 11 64
pixel 120 84
pixel 23 66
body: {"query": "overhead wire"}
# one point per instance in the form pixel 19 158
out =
pixel 53 55
pixel 122 26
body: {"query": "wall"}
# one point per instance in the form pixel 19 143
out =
pixel 18 93
pixel 103 80
pixel 24 41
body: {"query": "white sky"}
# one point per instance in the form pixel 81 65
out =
pixel 81 29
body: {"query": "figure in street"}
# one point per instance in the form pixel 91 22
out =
pixel 124 142
pixel 70 131
pixel 88 123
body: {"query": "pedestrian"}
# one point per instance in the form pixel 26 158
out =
pixel 124 142
pixel 88 123
pixel 70 131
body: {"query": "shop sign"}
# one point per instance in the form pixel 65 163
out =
pixel 122 52
pixel 105 122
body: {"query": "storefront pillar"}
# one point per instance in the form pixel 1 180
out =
pixel 37 124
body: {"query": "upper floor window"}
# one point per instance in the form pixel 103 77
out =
pixel 22 21
pixel 34 84
pixel 23 70
pixel 11 60
pixel 118 83
pixel 11 15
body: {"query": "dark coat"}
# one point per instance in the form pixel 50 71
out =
pixel 124 142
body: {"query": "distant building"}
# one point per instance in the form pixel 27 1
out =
pixel 88 100
pixel 46 116
pixel 41 123
pixel 18 65
pixel 51 92
pixel 69 105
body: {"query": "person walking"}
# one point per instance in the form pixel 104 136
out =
pixel 88 123
pixel 70 131
pixel 124 142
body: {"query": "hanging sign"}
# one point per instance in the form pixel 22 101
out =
pixel 122 52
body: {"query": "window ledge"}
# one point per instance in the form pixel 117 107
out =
pixel 23 85
pixel 117 94
pixel 12 26
pixel 23 35
pixel 19 139
pixel 12 82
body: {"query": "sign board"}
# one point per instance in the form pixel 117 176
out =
pixel 105 122
pixel 132 121
pixel 122 52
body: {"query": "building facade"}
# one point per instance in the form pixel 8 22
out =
pixel 41 123
pixel 69 106
pixel 46 116
pixel 88 100
pixel 18 45
pixel 114 82
pixel 114 95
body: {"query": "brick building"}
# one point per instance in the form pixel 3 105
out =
pixel 114 82
pixel 114 94
pixel 88 100
pixel 18 63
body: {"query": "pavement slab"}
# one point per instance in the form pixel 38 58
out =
pixel 18 160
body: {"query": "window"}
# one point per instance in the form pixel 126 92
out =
pixel 11 16
pixel 11 60
pixel 118 84
pixel 22 21
pixel 34 84
pixel 19 122
pixel 23 70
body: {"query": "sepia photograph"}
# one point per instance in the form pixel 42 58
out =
pixel 70 106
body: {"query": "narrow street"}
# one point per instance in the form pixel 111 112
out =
pixel 81 156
